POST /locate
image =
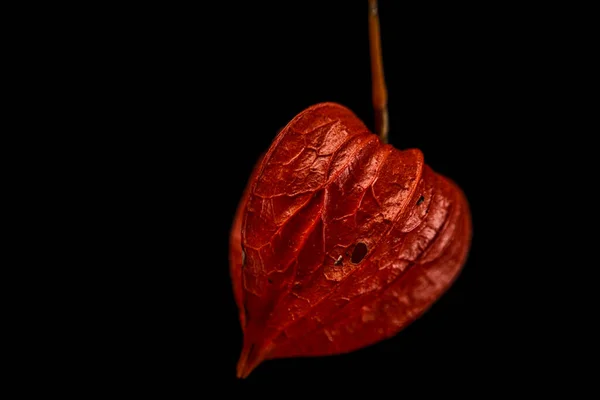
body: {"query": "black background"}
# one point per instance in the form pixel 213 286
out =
pixel 203 92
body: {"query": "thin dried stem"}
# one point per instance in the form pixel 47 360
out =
pixel 379 89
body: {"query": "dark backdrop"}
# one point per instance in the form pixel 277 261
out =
pixel 206 89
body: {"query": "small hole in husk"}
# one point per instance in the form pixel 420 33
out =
pixel 359 252
pixel 270 280
pixel 421 199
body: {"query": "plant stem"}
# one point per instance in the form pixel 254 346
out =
pixel 379 89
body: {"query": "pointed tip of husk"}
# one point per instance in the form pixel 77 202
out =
pixel 250 358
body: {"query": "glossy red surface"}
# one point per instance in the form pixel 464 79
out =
pixel 339 240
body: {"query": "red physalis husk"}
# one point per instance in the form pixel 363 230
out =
pixel 340 241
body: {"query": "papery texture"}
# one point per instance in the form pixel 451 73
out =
pixel 339 240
